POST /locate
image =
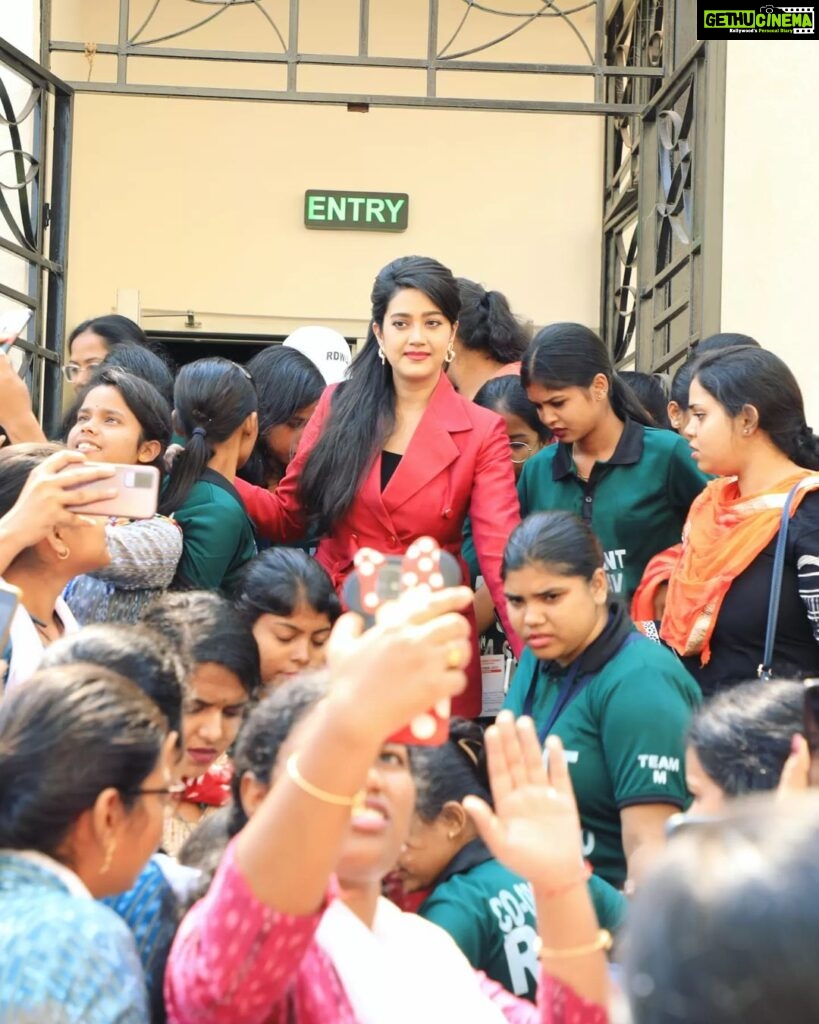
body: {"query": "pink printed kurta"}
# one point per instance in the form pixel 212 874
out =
pixel 237 961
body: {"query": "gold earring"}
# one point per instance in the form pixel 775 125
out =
pixel 450 354
pixel 62 555
pixel 109 856
pixel 381 356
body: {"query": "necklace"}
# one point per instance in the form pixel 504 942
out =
pixel 42 628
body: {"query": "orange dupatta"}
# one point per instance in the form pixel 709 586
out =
pixel 723 534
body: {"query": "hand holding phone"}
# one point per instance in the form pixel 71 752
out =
pixel 377 579
pixel 136 498
pixel 12 323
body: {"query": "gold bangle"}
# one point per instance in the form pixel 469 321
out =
pixel 314 791
pixel 603 942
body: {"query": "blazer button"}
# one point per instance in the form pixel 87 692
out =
pixel 393 542
pixel 447 513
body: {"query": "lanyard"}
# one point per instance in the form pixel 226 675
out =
pixel 568 690
pixel 564 696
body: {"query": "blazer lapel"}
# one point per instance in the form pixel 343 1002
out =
pixel 431 449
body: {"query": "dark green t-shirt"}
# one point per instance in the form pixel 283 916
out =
pixel 217 536
pixel 636 502
pixel 490 913
pixel 624 733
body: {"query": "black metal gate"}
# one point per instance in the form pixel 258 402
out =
pixel 35 154
pixel 662 220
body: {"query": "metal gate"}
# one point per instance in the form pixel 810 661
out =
pixel 35 154
pixel 662 227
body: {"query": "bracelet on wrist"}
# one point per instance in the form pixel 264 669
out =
pixel 319 794
pixel 602 943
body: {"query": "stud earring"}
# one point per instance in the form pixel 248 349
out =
pixel 381 356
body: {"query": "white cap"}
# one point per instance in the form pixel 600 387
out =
pixel 325 347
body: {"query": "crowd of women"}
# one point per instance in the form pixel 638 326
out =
pixel 209 811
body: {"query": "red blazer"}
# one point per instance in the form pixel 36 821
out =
pixel 457 463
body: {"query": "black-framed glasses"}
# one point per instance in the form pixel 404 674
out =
pixel 520 451
pixel 171 793
pixel 72 370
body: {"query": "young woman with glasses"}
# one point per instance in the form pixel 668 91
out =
pixel 91 341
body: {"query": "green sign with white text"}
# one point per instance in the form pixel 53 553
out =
pixel 356 211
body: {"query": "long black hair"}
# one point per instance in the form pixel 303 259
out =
pixel 561 540
pixel 363 408
pixel 286 382
pixel 569 355
pixel 487 324
pixel 742 376
pixel 146 403
pixel 212 399
pixel 68 734
pixel 506 394
pixel 278 580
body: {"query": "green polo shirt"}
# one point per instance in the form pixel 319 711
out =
pixel 217 536
pixel 490 913
pixel 623 732
pixel 636 502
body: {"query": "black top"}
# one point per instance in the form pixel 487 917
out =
pixel 738 640
pixel 389 464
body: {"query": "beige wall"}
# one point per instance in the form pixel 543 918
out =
pixel 771 216
pixel 198 204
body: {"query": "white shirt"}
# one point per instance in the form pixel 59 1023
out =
pixel 27 647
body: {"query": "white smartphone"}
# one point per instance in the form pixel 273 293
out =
pixel 12 323
pixel 137 493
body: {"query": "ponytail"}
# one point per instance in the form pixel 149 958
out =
pixel 566 355
pixel 487 324
pixel 212 399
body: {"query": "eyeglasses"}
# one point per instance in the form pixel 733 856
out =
pixel 171 794
pixel 520 451
pixel 72 370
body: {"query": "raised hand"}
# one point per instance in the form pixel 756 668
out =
pixel 44 500
pixel 412 658
pixel 534 828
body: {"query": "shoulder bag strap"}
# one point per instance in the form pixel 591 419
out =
pixel 765 670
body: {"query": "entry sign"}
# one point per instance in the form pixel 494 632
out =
pixel 356 211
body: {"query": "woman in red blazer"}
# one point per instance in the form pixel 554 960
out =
pixel 394 453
